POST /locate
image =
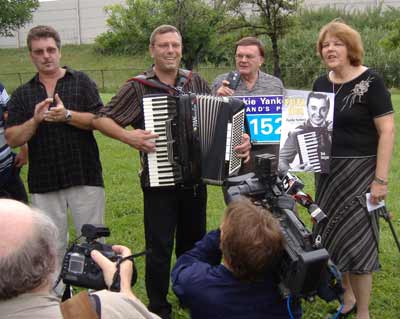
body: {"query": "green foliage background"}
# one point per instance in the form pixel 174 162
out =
pixel 211 38
pixel 15 13
pixel 300 66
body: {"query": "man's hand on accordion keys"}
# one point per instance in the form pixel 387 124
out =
pixel 243 150
pixel 142 140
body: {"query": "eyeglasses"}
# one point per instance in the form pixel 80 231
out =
pixel 49 50
pixel 165 46
pixel 247 56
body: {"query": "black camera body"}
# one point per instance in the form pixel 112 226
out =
pixel 79 269
pixel 304 269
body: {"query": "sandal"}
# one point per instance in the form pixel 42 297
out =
pixel 342 315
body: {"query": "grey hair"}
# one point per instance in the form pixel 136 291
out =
pixel 31 264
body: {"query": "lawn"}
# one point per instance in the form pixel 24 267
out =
pixel 124 217
pixel 124 212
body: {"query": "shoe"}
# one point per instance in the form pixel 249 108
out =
pixel 342 315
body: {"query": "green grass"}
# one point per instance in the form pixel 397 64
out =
pixel 16 67
pixel 109 71
pixel 124 217
pixel 124 211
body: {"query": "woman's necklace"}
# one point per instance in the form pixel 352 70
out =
pixel 333 88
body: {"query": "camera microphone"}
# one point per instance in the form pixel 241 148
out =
pixel 293 186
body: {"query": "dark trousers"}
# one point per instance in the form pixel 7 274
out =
pixel 13 187
pixel 168 212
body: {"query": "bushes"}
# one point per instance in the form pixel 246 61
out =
pixel 300 63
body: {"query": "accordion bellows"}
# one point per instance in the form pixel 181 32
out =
pixel 197 135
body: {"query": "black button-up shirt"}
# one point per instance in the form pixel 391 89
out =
pixel 60 155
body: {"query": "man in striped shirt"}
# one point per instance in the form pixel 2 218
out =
pixel 11 185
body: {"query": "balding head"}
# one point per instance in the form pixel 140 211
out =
pixel 15 225
pixel 27 249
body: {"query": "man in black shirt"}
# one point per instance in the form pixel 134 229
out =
pixel 52 113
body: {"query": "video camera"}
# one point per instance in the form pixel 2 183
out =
pixel 78 267
pixel 305 269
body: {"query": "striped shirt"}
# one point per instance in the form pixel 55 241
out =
pixel 6 158
pixel 125 108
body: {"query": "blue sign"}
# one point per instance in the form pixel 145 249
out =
pixel 264 118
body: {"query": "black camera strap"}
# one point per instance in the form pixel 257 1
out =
pixel 67 293
pixel 116 283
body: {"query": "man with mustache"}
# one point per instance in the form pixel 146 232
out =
pixel 53 113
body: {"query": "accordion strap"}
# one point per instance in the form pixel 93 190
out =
pixel 182 81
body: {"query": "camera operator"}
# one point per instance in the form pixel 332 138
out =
pixel 243 286
pixel 28 262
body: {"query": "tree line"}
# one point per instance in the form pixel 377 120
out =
pixel 210 29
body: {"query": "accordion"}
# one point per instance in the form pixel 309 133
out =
pixel 309 150
pixel 197 135
pixel 314 149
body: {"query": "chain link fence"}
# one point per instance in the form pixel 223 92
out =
pixel 108 81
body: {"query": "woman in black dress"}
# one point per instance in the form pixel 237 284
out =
pixel 363 138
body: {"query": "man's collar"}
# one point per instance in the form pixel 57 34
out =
pixel 149 73
pixel 68 71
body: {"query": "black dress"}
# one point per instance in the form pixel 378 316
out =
pixel 352 233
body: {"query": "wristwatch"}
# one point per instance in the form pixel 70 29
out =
pixel 68 116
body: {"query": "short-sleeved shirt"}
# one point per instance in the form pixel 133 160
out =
pixel 266 84
pixel 60 155
pixel 6 157
pixel 357 103
pixel 126 108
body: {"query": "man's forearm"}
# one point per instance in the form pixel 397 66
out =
pixel 20 134
pixel 82 120
pixel 109 127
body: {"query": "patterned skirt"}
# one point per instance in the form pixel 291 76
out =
pixel 351 235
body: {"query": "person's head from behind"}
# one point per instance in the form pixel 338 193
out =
pixel 317 108
pixel 44 46
pixel 251 240
pixel 339 45
pixel 27 250
pixel 249 56
pixel 166 48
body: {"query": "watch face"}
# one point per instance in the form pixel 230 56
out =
pixel 68 115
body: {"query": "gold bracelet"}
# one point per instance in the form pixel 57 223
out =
pixel 380 181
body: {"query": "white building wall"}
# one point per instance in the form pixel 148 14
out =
pixel 77 21
pixel 350 5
